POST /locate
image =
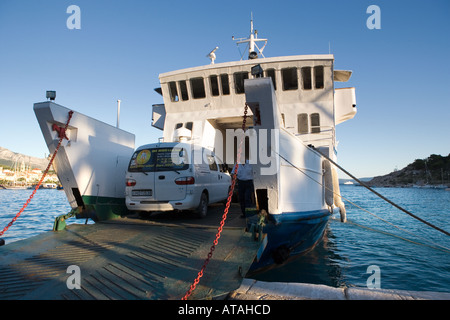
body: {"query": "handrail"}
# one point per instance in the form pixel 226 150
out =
pixel 326 133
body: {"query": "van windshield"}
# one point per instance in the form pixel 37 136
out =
pixel 159 159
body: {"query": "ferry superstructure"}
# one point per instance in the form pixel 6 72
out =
pixel 295 108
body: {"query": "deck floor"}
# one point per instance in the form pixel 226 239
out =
pixel 130 258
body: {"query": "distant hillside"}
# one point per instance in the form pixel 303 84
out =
pixel 9 158
pixel 434 170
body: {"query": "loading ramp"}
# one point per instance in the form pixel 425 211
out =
pixel 131 259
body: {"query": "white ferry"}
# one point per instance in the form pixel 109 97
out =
pixel 294 108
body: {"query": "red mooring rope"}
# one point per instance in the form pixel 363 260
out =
pixel 61 137
pixel 224 216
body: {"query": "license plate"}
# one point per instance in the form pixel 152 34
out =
pixel 141 193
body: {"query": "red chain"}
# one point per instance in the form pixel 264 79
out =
pixel 43 176
pixel 224 216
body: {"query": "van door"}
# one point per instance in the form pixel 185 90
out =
pixel 218 181
pixel 171 174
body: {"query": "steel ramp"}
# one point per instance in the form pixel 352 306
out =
pixel 128 259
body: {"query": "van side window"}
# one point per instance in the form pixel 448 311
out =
pixel 183 90
pixel 212 163
pixel 239 78
pixel 214 81
pixel 198 88
pixel 315 123
pixel 173 91
pixel 306 77
pixel 290 79
pixel 225 84
pixel 318 77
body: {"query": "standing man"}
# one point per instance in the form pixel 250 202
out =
pixel 245 185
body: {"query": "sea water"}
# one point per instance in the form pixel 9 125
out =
pixel 409 254
pixel 37 217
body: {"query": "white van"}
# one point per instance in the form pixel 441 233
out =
pixel 170 175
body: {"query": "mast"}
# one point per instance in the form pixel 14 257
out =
pixel 251 41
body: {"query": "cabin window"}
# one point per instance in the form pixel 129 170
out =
pixel 183 90
pixel 302 123
pixel 214 81
pixel 318 77
pixel 315 122
pixel 290 79
pixel 271 74
pixel 178 126
pixel 239 78
pixel 306 77
pixel 173 91
pixel 189 125
pixel 198 88
pixel 225 84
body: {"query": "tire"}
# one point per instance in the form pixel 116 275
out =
pixel 202 208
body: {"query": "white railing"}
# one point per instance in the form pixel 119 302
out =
pixel 326 136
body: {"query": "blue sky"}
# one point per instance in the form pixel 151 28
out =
pixel 401 72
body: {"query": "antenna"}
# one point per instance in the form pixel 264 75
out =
pixel 212 55
pixel 251 41
pixel 118 113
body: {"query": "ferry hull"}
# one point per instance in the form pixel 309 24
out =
pixel 290 235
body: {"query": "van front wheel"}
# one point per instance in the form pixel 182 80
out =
pixel 202 208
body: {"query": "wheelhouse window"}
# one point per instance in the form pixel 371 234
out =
pixel 198 88
pixel 173 91
pixel 187 125
pixel 290 79
pixel 302 123
pixel 214 82
pixel 225 84
pixel 271 73
pixel 239 78
pixel 315 123
pixel 306 77
pixel 318 77
pixel 183 90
